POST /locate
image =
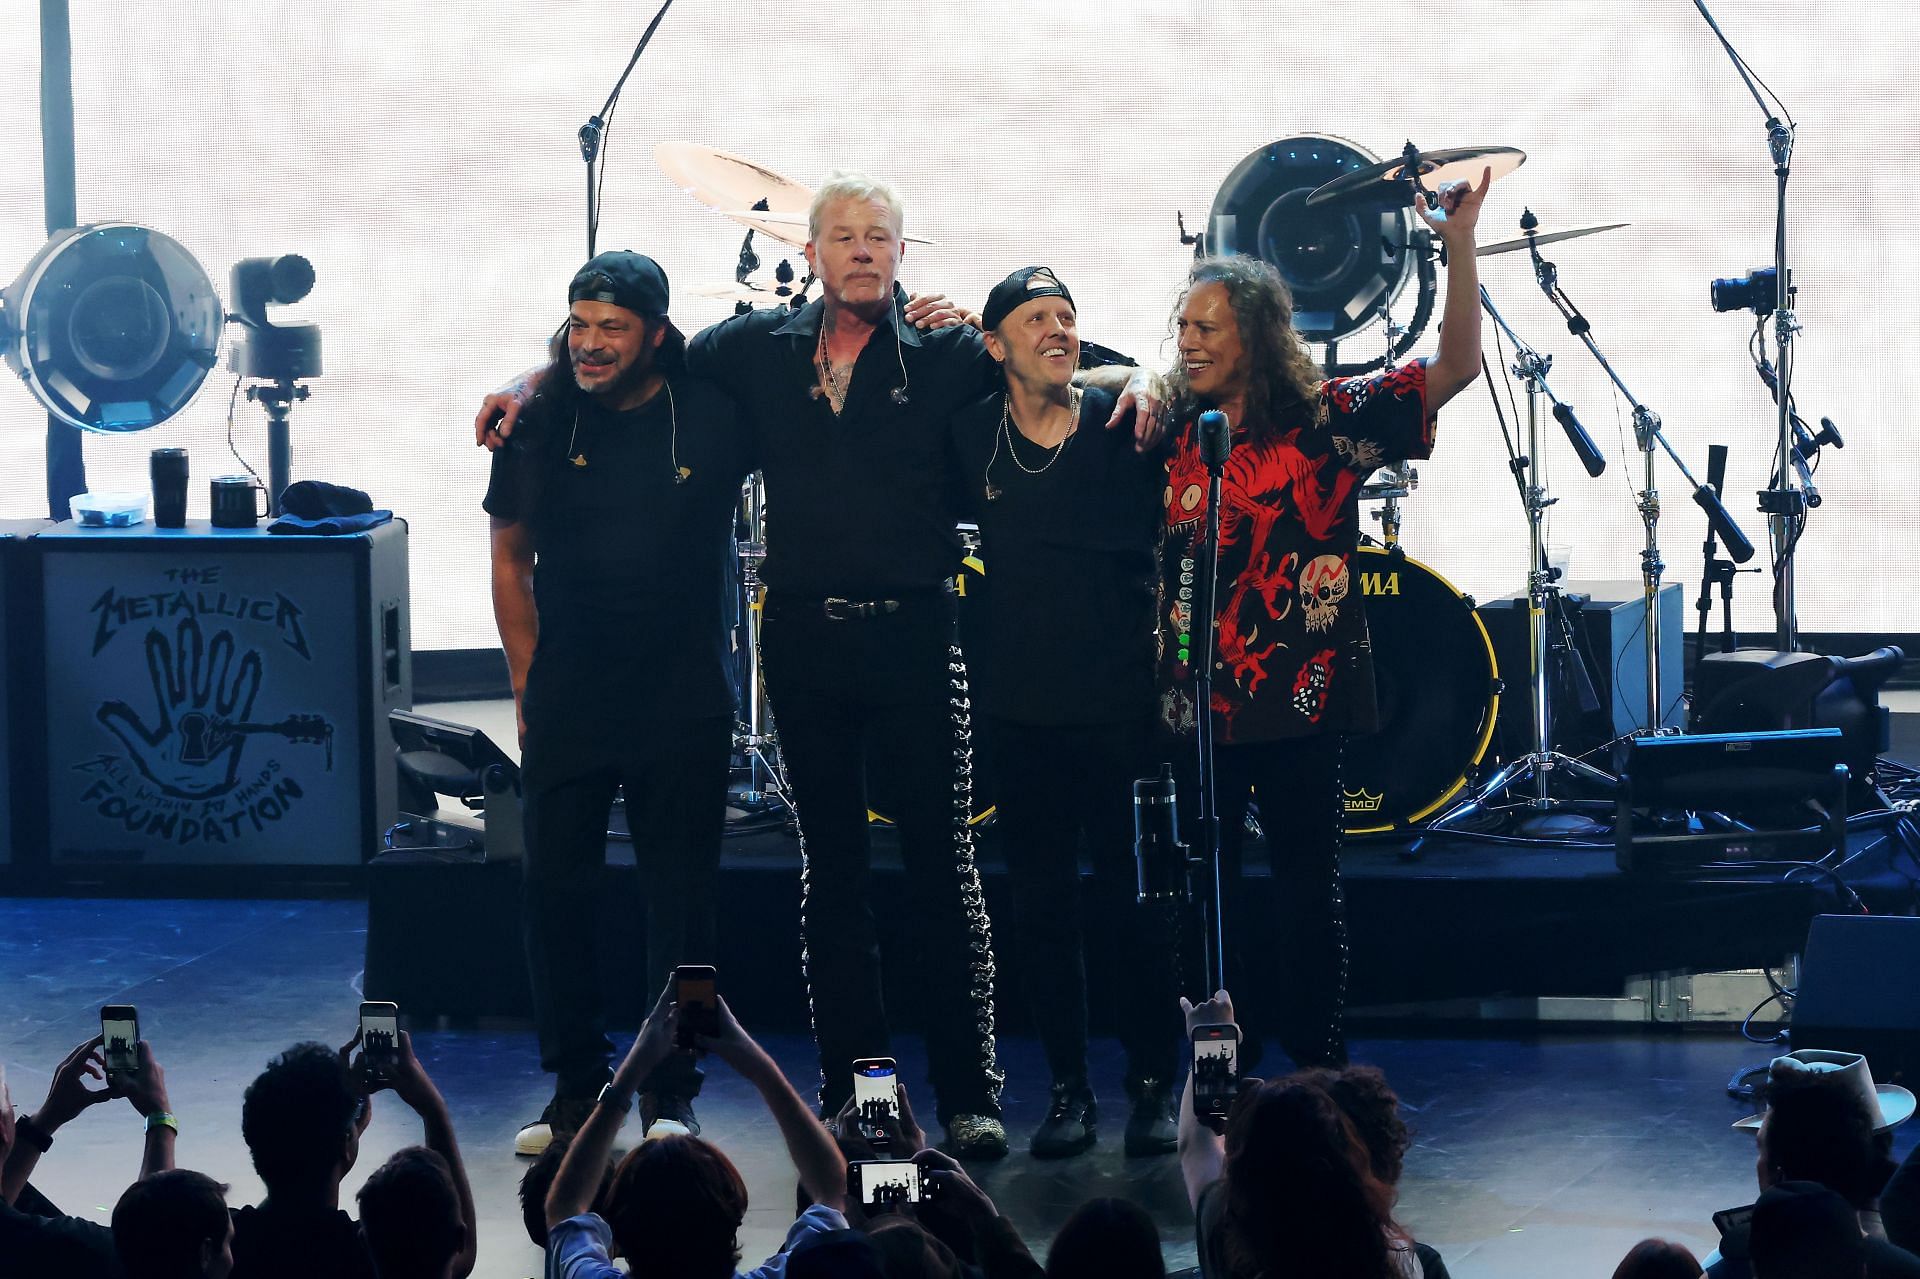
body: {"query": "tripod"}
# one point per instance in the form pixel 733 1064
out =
pixel 1536 769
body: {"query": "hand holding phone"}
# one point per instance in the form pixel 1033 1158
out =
pixel 876 1100
pixel 696 992
pixel 1216 1071
pixel 884 1183
pixel 120 1037
pixel 380 1039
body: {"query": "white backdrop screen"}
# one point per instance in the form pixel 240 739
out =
pixel 423 156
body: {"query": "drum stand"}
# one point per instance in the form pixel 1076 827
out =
pixel 1535 769
pixel 754 738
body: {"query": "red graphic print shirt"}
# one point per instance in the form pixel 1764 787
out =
pixel 1294 657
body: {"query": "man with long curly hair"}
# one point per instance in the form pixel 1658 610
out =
pixel 1293 675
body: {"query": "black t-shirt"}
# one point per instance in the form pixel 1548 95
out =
pixel 858 505
pixel 68 1247
pixel 630 576
pixel 1065 633
pixel 271 1243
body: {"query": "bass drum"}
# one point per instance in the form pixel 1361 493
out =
pixel 969 583
pixel 1438 689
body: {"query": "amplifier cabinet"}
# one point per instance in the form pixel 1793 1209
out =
pixel 19 775
pixel 219 697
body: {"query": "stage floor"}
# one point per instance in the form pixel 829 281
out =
pixel 1537 1152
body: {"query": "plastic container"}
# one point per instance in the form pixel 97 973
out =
pixel 110 510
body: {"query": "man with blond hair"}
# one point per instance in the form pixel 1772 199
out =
pixel 848 407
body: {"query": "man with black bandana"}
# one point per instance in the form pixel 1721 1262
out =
pixel 612 522
pixel 1063 669
pixel 849 408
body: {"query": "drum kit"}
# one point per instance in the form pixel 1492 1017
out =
pixel 1337 223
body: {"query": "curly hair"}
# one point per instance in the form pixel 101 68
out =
pixel 678 1202
pixel 1301 1197
pixel 1282 379
pixel 1373 1107
pixel 298 1117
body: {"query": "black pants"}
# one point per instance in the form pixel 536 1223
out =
pixel 1301 997
pixel 1052 785
pixel 884 699
pixel 676 793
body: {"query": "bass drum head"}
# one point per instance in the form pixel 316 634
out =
pixel 1438 693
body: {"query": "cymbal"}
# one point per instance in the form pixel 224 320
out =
pixel 721 180
pixel 756 294
pixel 788 228
pixel 1381 182
pixel 1546 237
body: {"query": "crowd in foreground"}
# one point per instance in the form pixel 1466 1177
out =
pixel 1298 1180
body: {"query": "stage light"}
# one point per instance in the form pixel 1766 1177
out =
pixel 112 326
pixel 1344 263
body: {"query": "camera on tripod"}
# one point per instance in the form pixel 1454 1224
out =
pixel 1757 291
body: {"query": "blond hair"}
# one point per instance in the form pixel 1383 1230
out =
pixel 848 184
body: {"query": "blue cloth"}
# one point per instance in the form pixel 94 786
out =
pixel 578 1247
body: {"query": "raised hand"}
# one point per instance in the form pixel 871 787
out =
pixel 68 1094
pixel 1459 211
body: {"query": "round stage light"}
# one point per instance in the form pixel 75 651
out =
pixel 1344 262
pixel 112 326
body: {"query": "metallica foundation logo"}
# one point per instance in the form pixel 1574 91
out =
pixel 195 764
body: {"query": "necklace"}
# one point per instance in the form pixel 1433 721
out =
pixel 836 381
pixel 1006 432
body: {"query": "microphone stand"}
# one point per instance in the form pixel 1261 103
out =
pixel 594 131
pixel 1646 433
pixel 1215 445
pixel 1784 503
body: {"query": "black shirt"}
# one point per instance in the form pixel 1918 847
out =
pixel 630 575
pixel 859 505
pixel 1066 625
pixel 323 1244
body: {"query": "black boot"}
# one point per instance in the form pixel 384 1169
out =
pixel 1068 1129
pixel 1151 1127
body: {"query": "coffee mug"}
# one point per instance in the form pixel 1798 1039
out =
pixel 169 471
pixel 237 502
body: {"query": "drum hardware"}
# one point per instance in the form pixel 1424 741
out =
pixel 1716 572
pixel 754 738
pixel 1647 434
pixel 1542 763
pixel 1389 486
pixel 1545 237
pixel 761 200
pixel 1391 183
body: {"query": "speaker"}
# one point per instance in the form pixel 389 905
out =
pixel 1687 801
pixel 19 768
pixel 1609 632
pixel 1857 992
pixel 219 697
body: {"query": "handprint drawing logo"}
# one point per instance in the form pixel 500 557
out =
pixel 203 697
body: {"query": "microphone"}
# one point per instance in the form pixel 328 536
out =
pixel 1216 440
pixel 590 138
pixel 1717 467
pixel 1160 859
pixel 1739 549
pixel 1583 445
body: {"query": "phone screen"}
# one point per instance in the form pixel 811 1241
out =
pixel 693 990
pixel 874 1092
pixel 380 1033
pixel 889 1182
pixel 1216 1065
pixel 120 1029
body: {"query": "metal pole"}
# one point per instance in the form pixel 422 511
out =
pixel 66 460
pixel 1651 570
pixel 1539 576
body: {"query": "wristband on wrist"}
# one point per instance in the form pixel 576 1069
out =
pixel 24 1129
pixel 161 1119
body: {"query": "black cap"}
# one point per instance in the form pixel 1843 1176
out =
pixel 627 279
pixel 1023 286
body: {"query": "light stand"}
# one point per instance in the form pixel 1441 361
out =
pixel 1541 761
pixel 1646 433
pixel 1784 503
pixel 594 131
